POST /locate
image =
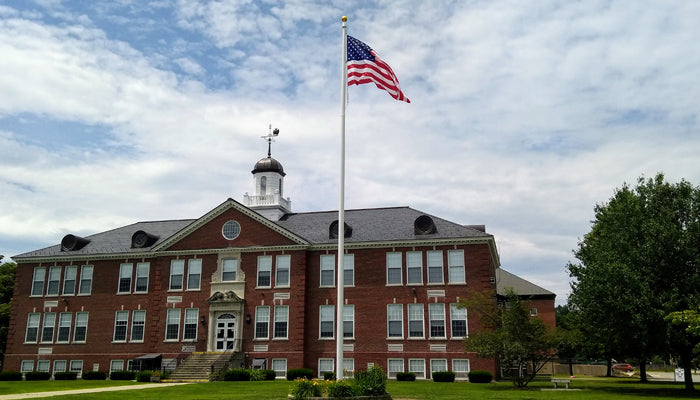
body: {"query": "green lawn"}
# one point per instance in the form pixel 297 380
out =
pixel 581 388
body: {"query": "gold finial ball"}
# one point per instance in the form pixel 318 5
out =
pixel 344 18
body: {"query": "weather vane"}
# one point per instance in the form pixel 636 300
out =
pixel 270 137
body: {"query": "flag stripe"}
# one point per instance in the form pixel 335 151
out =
pixel 365 66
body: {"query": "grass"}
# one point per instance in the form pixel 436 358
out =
pixel 588 388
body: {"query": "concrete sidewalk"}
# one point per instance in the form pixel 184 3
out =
pixel 84 391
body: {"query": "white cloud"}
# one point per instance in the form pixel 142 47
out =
pixel 523 116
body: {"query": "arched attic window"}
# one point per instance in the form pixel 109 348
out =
pixel 424 225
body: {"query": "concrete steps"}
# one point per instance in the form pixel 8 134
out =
pixel 195 368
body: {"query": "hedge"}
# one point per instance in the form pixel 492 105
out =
pixel 10 376
pixel 443 376
pixel 122 375
pixel 236 375
pixel 65 376
pixel 144 376
pixel 270 374
pixel 37 376
pixel 480 376
pixel 295 373
pixel 94 375
pixel 405 376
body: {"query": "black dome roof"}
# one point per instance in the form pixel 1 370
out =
pixel 268 164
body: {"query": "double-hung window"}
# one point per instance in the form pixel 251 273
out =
pixel 348 321
pixel 59 366
pixel 38 281
pixel 27 366
pixel 262 322
pixel 455 266
pixel 458 321
pixel 80 330
pixel 85 279
pixel 48 327
pixel 172 324
pixel 326 321
pixel 190 328
pixel 43 365
pixel 417 366
pixel 348 270
pixel 393 268
pixel 177 271
pixel 415 321
pixel 138 324
pixel 32 334
pixel 121 322
pixel 194 274
pixel 70 273
pixel 282 264
pixel 54 281
pixel 281 327
pixel 125 272
pixel 435 274
pixel 394 320
pixel 460 367
pixel 436 314
pixel 328 270
pixel 394 366
pixel 229 268
pixel 143 270
pixel 414 268
pixel 264 271
pixel 64 322
pixel 438 365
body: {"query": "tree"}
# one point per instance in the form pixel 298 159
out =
pixel 639 263
pixel 7 286
pixel 511 335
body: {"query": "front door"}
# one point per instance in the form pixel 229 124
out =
pixel 225 332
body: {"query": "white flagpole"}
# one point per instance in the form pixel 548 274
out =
pixel 341 213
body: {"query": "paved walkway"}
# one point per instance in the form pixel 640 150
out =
pixel 82 391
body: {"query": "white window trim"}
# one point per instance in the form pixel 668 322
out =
pixel 411 256
pixel 454 308
pixel 83 269
pixel 133 324
pixel 349 265
pixel 388 334
pixel 173 264
pixel 349 318
pixel 235 271
pixel 58 329
pixel 73 268
pixel 36 279
pixel 430 320
pixel 167 323
pixel 327 265
pixel 264 265
pixel 259 319
pixel 126 326
pixel 286 320
pixel 76 326
pixel 392 374
pixel 460 265
pixel 326 360
pixel 287 266
pixel 147 276
pixel 422 320
pixel 44 326
pixel 37 327
pixel 49 281
pixel 423 372
pixel 197 265
pixel 279 373
pixel 391 266
pixel 332 320
pixel 122 275
pixel 430 266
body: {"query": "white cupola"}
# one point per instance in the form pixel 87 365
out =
pixel 268 181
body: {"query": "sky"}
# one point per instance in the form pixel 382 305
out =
pixel 524 114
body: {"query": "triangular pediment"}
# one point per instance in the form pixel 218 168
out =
pixel 254 230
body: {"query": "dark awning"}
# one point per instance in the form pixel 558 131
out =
pixel 148 357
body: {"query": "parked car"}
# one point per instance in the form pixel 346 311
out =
pixel 622 367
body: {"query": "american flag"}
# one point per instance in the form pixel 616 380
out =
pixel 365 66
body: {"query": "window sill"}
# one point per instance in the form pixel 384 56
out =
pixel 264 339
pixel 394 338
pixel 118 341
pixel 280 339
pixel 437 338
pixel 417 338
pixel 263 287
pixel 326 338
pixel 457 283
pixel 194 290
pixel 174 290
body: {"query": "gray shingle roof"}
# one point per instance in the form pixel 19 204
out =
pixel 505 280
pixel 369 225
pixel 372 225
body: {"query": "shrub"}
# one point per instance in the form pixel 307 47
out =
pixel 405 376
pixel 65 376
pixel 329 376
pixel 10 376
pixel 122 375
pixel 236 375
pixel 94 375
pixel 296 373
pixel 371 382
pixel 256 375
pixel 480 376
pixel 144 376
pixel 270 375
pixel 303 388
pixel 339 389
pixel 443 376
pixel 37 376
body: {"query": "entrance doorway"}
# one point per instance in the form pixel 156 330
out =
pixel 226 332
